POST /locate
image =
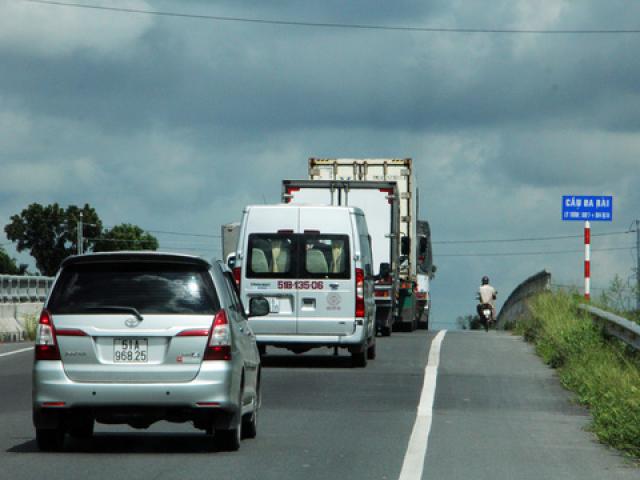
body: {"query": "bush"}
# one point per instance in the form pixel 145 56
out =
pixel 603 373
pixel 30 325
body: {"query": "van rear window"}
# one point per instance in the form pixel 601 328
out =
pixel 326 256
pixel 152 288
pixel 271 255
pixel 309 255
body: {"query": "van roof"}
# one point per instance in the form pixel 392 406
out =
pixel 353 209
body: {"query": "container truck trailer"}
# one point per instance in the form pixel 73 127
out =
pixel 385 189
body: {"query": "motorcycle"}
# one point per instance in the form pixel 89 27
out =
pixel 485 312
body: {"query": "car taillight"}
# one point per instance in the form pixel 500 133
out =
pixel 237 275
pixel 359 293
pixel 219 344
pixel 46 344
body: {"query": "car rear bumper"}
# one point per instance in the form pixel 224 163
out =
pixel 212 387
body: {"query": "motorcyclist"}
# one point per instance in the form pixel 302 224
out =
pixel 487 296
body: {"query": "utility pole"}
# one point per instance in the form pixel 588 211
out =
pixel 80 240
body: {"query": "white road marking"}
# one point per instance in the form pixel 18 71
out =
pixel 6 354
pixel 413 464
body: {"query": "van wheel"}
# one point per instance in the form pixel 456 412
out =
pixel 50 439
pixel 359 359
pixel 371 351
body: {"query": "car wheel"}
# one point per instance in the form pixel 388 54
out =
pixel 82 428
pixel 228 439
pixel 359 359
pixel 250 420
pixel 50 439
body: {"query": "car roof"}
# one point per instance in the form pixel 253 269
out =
pixel 135 256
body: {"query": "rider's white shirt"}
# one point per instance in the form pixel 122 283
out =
pixel 487 293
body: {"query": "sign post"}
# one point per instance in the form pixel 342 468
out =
pixel 587 208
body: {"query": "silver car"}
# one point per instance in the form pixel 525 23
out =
pixel 138 337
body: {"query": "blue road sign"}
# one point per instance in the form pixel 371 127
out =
pixel 587 208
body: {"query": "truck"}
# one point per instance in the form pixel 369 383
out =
pixel 385 189
pixel 230 232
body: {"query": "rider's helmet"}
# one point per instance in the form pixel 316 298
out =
pixel 485 280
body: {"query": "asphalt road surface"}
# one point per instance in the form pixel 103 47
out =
pixel 498 413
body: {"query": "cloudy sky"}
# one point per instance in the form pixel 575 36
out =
pixel 176 123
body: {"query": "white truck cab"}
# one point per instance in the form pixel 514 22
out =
pixel 314 266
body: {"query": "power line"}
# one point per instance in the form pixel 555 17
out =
pixel 517 254
pixel 356 26
pixel 529 239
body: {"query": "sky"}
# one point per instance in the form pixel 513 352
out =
pixel 176 123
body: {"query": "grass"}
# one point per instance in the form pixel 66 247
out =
pixel 30 324
pixel 604 373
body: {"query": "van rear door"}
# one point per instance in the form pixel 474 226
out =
pixel 326 288
pixel 270 272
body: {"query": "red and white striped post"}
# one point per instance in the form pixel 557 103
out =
pixel 587 261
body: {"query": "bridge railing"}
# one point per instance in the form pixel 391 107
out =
pixel 625 330
pixel 515 306
pixel 24 289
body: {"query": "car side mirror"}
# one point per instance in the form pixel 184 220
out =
pixel 405 246
pixel 433 269
pixel 259 307
pixel 385 270
pixel 231 261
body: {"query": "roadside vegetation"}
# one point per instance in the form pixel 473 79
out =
pixel 604 373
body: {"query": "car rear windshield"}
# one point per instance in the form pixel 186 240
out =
pixel 153 288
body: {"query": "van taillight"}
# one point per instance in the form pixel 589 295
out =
pixel 237 275
pixel 219 344
pixel 359 293
pixel 46 344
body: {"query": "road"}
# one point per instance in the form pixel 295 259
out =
pixel 498 413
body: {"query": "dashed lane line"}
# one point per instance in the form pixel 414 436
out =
pixel 13 352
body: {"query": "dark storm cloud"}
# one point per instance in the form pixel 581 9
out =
pixel 267 78
pixel 177 124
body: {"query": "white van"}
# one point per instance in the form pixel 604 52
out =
pixel 314 265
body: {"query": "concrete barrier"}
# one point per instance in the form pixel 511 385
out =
pixel 14 318
pixel 515 307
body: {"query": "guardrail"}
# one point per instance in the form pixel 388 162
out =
pixel 514 307
pixel 625 330
pixel 23 289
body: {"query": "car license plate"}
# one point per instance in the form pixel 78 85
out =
pixel 130 350
pixel 274 305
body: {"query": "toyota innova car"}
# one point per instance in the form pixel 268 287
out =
pixel 314 266
pixel 134 338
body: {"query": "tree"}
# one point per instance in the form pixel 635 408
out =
pixel 125 237
pixel 7 264
pixel 50 232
